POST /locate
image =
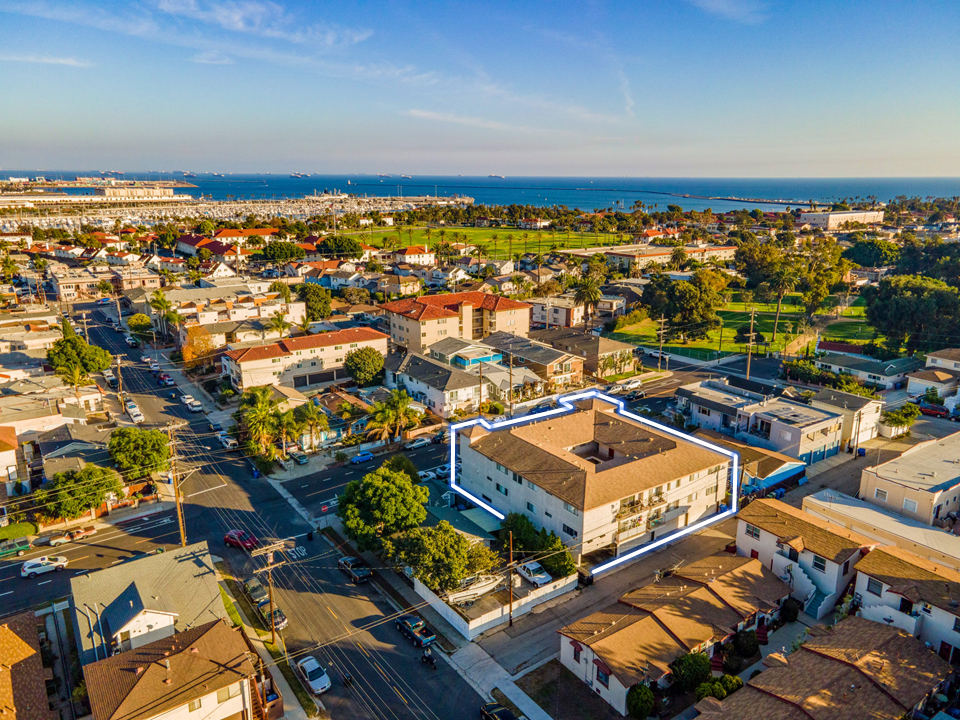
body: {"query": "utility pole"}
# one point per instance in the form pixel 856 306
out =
pixel 511 578
pixel 661 332
pixel 269 550
pixel 753 312
pixel 119 380
pixel 720 343
pixel 480 397
pixel 119 317
pixel 511 386
pixel 175 478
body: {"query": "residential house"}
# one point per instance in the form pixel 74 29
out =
pixel 128 278
pixel 500 266
pixel 555 367
pixel 883 374
pixel 600 480
pixel 610 306
pixel 10 473
pixel 504 284
pixel 815 557
pixel 206 671
pixel 923 483
pixel 415 255
pixel 417 323
pixel 533 224
pixel 861 415
pixel 539 275
pixel 125 259
pixel 636 258
pixel 463 354
pixel 190 244
pixel 23 677
pixel 636 639
pixel 398 285
pixel 300 361
pixel 594 349
pixel 716 404
pixel 558 311
pixel 446 277
pixel 243 236
pixel 341 422
pixel 759 469
pixel 442 388
pixel 499 379
pixel 149 598
pixel 37 414
pixel 77 283
pixel 791 428
pixel 942 373
pixel 853 670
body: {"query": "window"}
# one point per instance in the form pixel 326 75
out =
pixel 570 531
pixel 691 498
pixel 226 693
pixel 786 435
pixel 531 486
pixel 338 347
pixel 571 509
pixel 501 468
pixel 703 411
pixel 846 567
pixel 874 587
pixel 712 490
pixel 880 495
pixel 926 607
pixel 501 489
pixel 486 498
pixel 517 479
pixel 909 505
pixel 576 654
pixel 753 531
pixel 353 345
pixel 819 563
pixel 956 625
pixel 603 678
pixel 531 508
pixel 194 705
pixel 547 514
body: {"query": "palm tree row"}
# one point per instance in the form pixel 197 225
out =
pixel 263 422
pixel 389 419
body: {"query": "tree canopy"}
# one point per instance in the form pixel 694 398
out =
pixel 873 252
pixel 76 352
pixel 71 494
pixel 918 311
pixel 283 252
pixel 441 557
pixel 140 324
pixel 381 504
pixel 137 453
pixel 401 463
pixel 316 299
pixel 691 670
pixel 689 307
pixel 363 364
pixel 551 553
pixel 341 247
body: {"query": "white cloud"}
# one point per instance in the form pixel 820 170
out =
pixel 211 57
pixel 748 12
pixel 46 60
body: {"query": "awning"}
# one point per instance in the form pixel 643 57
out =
pixel 576 646
pixel 603 667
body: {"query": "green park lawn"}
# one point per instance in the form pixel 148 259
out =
pixel 848 331
pixel 792 303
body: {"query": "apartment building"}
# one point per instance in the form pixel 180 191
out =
pixel 442 388
pixel 817 557
pixel 298 362
pixel 558 312
pixel 230 235
pixel 629 257
pixel 417 323
pixel 833 219
pixel 598 479
pixel 128 278
pixel 592 348
pixel 555 367
pixel 922 484
pixel 860 415
pixel 76 283
pixel 790 428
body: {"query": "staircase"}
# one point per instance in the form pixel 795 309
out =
pixel 813 607
pixel 763 634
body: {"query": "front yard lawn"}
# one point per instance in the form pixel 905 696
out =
pixel 17 530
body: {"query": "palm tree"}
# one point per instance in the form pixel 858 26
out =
pixel 403 414
pixel 160 305
pixel 494 239
pixel 288 427
pixel 349 413
pixel 381 423
pixel 76 377
pixel 279 323
pixel 304 325
pixel 588 293
pixel 257 410
pixel 781 283
pixel 678 257
pixel 312 418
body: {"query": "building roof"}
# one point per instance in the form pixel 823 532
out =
pixel 843 400
pixel 577 342
pixel 913 577
pixel 883 368
pixel 802 531
pixel 790 412
pixel 249 232
pixel 431 307
pixel 854 670
pixel 288 346
pixel 181 581
pixel 758 462
pixel 928 466
pixel 946 354
pixel 23 689
pixel 430 372
pixel 524 348
pixel 153 679
pixel 414 250
pixel 650 627
pixel 542 453
pixel 935 375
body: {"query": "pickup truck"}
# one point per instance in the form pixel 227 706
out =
pixel 10 548
pixel 413 628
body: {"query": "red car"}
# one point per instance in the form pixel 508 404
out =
pixel 81 533
pixel 240 539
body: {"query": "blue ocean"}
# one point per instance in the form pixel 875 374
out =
pixel 585 193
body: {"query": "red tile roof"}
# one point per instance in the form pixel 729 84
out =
pixel 287 346
pixel 414 250
pixel 261 352
pixel 194 240
pixel 230 233
pixel 432 307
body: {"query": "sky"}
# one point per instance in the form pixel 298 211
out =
pixel 647 88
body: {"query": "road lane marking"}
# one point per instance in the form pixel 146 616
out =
pixel 401 696
pixel 363 649
pixel 9 592
pixel 201 492
pixel 118 561
pixel 172 532
pixel 332 612
pixel 45 582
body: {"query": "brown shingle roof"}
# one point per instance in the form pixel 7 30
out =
pixel 340 337
pixel 23 691
pixel 914 577
pixel 430 307
pixel 946 354
pixel 804 531
pixel 260 352
pixel 132 685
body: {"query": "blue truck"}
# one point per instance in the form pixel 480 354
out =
pixel 415 629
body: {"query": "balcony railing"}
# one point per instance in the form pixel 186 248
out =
pixel 764 434
pixel 655 522
pixel 656 499
pixel 623 535
pixel 634 508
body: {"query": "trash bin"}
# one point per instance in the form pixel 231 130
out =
pixel 861 452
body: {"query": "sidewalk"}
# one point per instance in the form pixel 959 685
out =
pixel 119 516
pixel 484 674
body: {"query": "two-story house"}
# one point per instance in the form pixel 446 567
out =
pixel 792 428
pixel 715 404
pixel 417 323
pixel 398 285
pixel 555 367
pixel 815 557
pixel 558 312
pixel 592 348
pixel 923 483
pixel 860 415
pixel 415 255
pixel 598 479
pixel 442 388
pixel 883 374
pixel 942 373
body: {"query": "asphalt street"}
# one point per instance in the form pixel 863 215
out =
pixel 349 628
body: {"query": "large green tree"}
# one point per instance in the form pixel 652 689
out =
pixel 140 324
pixel 920 312
pixel 76 352
pixel 341 247
pixel 363 364
pixel 279 252
pixel 873 252
pixel 71 494
pixel 441 557
pixel 316 299
pixel 137 452
pixel 381 504
pixel 758 261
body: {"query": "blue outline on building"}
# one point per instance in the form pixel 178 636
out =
pixel 566 405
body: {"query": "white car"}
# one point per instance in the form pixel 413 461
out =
pixel 50 563
pixel 535 574
pixel 228 442
pixel 146 359
pixel 187 399
pixel 195 406
pixel 138 417
pixel 633 384
pixel 417 444
pixel 314 676
pixel 427 475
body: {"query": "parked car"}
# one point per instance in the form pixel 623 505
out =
pixel 635 395
pixel 166 382
pixel 314 676
pixel 633 383
pixel 365 456
pixel 279 619
pixel 138 417
pixel 417 444
pixel 299 458
pixel 132 342
pixel 40 565
pixel 53 538
pixel 255 589
pixel 228 442
pixel 104 301
pixel 240 539
pixel 118 328
pixel 17 547
pixel 355 569
pixel 614 389
pixel 533 572
pixel 934 410
pixel 427 475
pixel 495 711
pixel 81 533
pixel 146 359
pixel 195 406
pixel 187 399
pixel 657 355
pixel 414 628
pixel 441 437
pixel 154 368
pixel 215 426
